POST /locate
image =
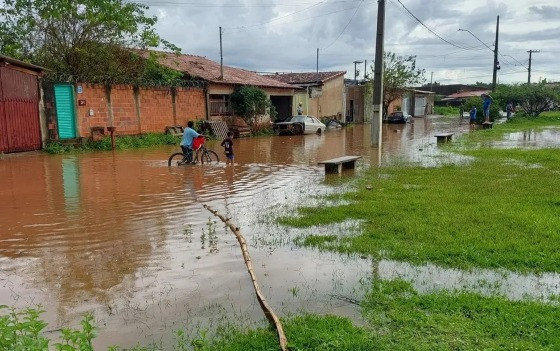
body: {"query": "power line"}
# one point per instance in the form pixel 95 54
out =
pixel 346 26
pixel 431 30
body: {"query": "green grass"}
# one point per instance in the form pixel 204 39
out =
pixel 446 111
pixel 121 143
pixel 499 211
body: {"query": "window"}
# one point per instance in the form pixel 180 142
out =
pixel 220 105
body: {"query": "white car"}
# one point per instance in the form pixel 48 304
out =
pixel 300 125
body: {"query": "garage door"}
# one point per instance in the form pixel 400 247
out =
pixel 19 111
pixel 419 105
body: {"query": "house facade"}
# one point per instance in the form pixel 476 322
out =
pixel 321 94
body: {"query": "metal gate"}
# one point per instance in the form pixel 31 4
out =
pixel 419 106
pixel 65 112
pixel 19 111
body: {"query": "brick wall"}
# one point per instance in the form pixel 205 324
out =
pixel 131 111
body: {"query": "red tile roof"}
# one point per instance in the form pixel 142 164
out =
pixel 467 94
pixel 306 77
pixel 203 68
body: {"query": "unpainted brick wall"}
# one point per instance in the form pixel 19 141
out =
pixel 155 108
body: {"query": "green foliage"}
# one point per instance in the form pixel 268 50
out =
pixel 400 73
pixel 532 99
pixel 55 147
pixel 446 111
pixel 477 102
pixel 21 330
pixel 79 38
pixel 250 103
pixel 76 339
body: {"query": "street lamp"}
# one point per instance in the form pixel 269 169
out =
pixel 356 70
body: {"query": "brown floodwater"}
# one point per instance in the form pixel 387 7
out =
pixel 125 237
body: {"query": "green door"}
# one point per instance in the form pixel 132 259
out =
pixel 66 115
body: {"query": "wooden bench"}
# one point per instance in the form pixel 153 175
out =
pixel 487 125
pixel 336 165
pixel 444 137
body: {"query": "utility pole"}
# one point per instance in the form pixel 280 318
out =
pixel 432 82
pixel 531 59
pixel 365 69
pixel 496 63
pixel 317 60
pixel 356 71
pixel 221 57
pixel 377 119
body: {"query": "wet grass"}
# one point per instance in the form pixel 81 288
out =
pixel 121 143
pixel 499 211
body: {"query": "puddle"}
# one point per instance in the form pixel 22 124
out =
pixel 530 139
pixel 125 237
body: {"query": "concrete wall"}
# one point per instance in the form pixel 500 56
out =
pixel 329 104
pixel 133 110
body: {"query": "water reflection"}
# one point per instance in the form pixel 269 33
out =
pixel 119 233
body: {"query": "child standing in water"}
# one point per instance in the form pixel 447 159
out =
pixel 228 147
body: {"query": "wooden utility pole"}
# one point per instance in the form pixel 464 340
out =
pixel 377 119
pixel 221 57
pixel 432 82
pixel 530 60
pixel 496 63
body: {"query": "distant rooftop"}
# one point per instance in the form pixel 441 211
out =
pixel 306 77
pixel 208 70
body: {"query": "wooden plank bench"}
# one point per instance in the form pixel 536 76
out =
pixel 443 137
pixel 336 165
pixel 487 125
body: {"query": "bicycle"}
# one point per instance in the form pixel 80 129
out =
pixel 202 154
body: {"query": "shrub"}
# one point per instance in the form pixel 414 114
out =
pixel 532 100
pixel 477 101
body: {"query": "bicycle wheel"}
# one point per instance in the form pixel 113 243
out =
pixel 209 156
pixel 177 159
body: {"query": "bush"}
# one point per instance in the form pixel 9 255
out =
pixel 531 100
pixel 446 111
pixel 121 143
pixel 477 101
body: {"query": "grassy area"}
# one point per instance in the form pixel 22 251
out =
pixel 121 143
pixel 446 111
pixel 397 318
pixel 498 211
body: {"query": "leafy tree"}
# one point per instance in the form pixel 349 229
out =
pixel 250 103
pixel 400 72
pixel 88 38
pixel 533 99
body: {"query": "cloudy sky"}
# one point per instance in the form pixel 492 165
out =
pixel 283 35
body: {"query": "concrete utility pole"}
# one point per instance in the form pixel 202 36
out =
pixel 432 82
pixel 365 69
pixel 530 60
pixel 221 57
pixel 496 63
pixel 377 119
pixel 356 71
pixel 317 60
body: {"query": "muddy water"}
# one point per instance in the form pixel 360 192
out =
pixel 125 237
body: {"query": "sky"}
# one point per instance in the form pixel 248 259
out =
pixel 283 35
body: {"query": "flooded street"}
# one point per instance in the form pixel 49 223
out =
pixel 125 236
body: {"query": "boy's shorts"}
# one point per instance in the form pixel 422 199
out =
pixel 229 156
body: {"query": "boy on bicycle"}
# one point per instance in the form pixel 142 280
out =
pixel 187 141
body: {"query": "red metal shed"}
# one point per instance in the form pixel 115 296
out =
pixel 19 106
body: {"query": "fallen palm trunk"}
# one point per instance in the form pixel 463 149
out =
pixel 268 312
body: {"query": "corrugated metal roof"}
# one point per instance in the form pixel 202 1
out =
pixel 306 77
pixel 203 68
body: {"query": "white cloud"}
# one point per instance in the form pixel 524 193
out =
pixel 282 35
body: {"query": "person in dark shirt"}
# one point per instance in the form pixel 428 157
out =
pixel 228 147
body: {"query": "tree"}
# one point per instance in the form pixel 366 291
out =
pixel 88 38
pixel 400 72
pixel 250 103
pixel 476 101
pixel 533 99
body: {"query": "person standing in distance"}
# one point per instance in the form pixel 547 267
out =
pixel 228 148
pixel 486 103
pixel 186 143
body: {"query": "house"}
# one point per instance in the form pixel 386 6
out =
pixel 219 88
pixel 322 94
pixel 78 110
pixel 22 127
pixel 359 101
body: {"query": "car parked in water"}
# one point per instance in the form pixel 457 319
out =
pixel 297 125
pixel 399 117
